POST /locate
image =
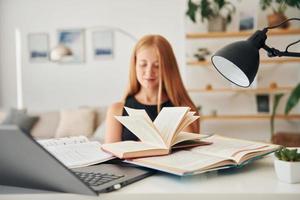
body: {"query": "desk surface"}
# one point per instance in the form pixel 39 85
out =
pixel 255 181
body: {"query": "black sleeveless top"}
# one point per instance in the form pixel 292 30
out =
pixel 151 110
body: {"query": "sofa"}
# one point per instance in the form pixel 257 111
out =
pixel 53 124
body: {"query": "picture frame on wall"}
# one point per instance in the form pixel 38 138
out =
pixel 38 47
pixel 263 103
pixel 103 44
pixel 247 20
pixel 73 39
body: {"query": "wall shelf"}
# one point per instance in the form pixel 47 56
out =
pixel 246 90
pixel 264 61
pixel 248 117
pixel 240 34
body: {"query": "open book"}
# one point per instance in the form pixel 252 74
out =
pixel 158 137
pixel 222 153
pixel 76 151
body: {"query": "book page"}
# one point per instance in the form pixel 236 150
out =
pixel 181 162
pixel 244 155
pixel 138 112
pixel 63 141
pixel 126 149
pixel 183 136
pixel 143 113
pixel 227 147
pixel 142 129
pixel 168 120
pixel 188 119
pixel 80 154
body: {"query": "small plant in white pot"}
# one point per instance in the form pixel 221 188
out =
pixel 287 165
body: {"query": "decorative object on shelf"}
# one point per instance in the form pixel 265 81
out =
pixel 278 7
pixel 213 112
pixel 273 85
pixel 208 87
pixel 73 40
pixel 238 62
pixel 103 44
pixel 287 165
pixel 62 51
pixel 279 138
pixel 247 20
pixel 201 54
pixel 38 47
pixel 213 11
pixel 262 103
pixel 199 108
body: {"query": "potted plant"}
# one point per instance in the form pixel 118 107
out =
pixel 287 165
pixel 286 139
pixel 218 13
pixel 278 7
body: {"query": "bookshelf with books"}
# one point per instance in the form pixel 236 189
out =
pixel 222 101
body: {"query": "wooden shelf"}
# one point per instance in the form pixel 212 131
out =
pixel 240 34
pixel 248 117
pixel 263 61
pixel 244 90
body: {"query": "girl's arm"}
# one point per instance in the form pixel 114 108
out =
pixel 113 127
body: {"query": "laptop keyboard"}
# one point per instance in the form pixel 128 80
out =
pixel 96 179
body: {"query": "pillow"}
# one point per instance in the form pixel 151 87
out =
pixel 99 134
pixel 76 122
pixel 47 125
pixel 20 119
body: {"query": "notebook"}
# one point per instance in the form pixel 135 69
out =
pixel 76 151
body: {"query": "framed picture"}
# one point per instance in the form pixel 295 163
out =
pixel 247 21
pixel 103 44
pixel 262 103
pixel 38 47
pixel 74 40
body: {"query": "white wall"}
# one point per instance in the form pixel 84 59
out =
pixel 52 86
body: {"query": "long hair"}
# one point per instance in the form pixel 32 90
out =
pixel 170 80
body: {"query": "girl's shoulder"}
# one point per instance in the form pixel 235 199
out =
pixel 116 108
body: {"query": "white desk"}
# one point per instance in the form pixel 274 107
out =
pixel 255 181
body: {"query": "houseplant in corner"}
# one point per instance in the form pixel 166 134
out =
pixel 278 7
pixel 218 13
pixel 287 165
pixel 286 139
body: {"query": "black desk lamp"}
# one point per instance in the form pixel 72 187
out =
pixel 238 62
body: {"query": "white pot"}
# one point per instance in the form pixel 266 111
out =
pixel 288 172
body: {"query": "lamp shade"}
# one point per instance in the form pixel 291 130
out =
pixel 238 62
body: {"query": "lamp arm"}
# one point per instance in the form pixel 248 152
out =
pixel 272 52
pixel 278 25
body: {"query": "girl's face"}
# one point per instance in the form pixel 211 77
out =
pixel 147 68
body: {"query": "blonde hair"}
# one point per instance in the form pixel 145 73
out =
pixel 170 80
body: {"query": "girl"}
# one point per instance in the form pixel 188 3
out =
pixel 154 82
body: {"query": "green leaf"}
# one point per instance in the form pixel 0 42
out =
pixel 293 99
pixel 276 102
pixel 290 155
pixel 191 12
pixel 277 154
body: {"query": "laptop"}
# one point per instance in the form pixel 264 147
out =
pixel 25 163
